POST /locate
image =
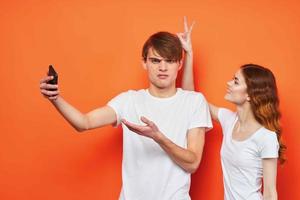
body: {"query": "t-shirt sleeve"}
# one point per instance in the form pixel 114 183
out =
pixel 225 117
pixel 201 116
pixel 118 104
pixel 270 146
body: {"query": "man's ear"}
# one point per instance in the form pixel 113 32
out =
pixel 180 64
pixel 144 64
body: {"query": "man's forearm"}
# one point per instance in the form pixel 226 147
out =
pixel 186 159
pixel 189 158
pixel 71 114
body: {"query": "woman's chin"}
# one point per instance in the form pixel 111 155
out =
pixel 226 97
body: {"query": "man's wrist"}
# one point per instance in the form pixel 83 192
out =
pixel 159 138
pixel 56 100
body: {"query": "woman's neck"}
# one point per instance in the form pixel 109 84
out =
pixel 246 118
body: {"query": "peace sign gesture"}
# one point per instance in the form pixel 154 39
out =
pixel 185 37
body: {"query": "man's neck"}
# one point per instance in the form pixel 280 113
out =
pixel 162 92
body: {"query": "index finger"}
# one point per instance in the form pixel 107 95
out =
pixel 186 29
pixel 46 79
pixel 191 27
pixel 129 124
pixel 146 121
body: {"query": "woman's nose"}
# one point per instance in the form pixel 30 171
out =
pixel 229 83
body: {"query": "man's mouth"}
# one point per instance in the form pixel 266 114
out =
pixel 162 76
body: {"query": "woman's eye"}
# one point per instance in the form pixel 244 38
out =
pixel 235 81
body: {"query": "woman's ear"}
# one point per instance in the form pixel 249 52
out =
pixel 248 98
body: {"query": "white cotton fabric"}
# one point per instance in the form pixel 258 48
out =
pixel 242 160
pixel 148 173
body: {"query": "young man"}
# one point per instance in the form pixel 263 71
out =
pixel 163 126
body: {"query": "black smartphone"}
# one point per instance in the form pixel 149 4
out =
pixel 52 72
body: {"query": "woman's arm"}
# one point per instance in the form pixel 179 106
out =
pixel 185 39
pixel 214 110
pixel 188 76
pixel 269 177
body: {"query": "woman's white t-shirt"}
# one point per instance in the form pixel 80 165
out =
pixel 242 160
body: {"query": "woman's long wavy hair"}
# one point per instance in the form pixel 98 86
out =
pixel 264 101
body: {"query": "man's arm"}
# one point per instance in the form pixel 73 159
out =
pixel 81 122
pixel 189 158
pixel 269 177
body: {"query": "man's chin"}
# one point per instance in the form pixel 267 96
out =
pixel 162 86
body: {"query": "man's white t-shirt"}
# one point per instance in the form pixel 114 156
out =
pixel 242 160
pixel 148 173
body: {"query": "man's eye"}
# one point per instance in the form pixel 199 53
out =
pixel 170 61
pixel 155 61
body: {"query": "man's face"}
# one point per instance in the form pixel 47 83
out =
pixel 162 73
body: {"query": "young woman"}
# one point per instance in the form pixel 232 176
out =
pixel 251 143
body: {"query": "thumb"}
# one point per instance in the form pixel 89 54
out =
pixel 180 35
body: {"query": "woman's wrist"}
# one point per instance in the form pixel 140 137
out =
pixel 189 52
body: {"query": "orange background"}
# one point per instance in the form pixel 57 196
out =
pixel 96 48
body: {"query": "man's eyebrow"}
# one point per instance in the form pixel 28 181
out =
pixel 155 58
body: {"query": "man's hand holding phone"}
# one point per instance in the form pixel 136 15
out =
pixel 48 84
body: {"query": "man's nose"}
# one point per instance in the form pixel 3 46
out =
pixel 163 66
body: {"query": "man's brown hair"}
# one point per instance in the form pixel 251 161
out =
pixel 166 44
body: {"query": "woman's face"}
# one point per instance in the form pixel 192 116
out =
pixel 237 89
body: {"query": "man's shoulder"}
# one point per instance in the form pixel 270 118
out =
pixel 132 93
pixel 192 94
pixel 127 97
